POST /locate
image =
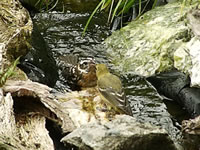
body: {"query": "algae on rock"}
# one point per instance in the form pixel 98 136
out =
pixel 146 46
pixel 15 28
pixel 15 31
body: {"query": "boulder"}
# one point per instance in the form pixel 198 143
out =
pixel 146 46
pixel 122 133
pixel 164 38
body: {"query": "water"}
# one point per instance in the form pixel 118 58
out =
pixel 148 105
pixel 62 33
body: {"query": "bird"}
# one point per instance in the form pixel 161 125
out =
pixel 111 90
pixel 79 72
pixel 87 71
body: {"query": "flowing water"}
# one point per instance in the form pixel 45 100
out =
pixel 62 35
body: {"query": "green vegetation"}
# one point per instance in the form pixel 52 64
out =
pixel 118 7
pixel 8 72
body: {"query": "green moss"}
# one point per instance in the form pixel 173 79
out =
pixel 146 46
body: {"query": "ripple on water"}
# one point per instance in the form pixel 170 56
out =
pixel 147 105
pixel 63 34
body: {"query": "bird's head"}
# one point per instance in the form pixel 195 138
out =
pixel 101 69
pixel 86 65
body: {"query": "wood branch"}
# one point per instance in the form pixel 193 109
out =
pixel 25 108
pixel 37 98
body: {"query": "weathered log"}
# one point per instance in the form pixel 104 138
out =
pixel 24 111
pixel 37 98
pixel 17 135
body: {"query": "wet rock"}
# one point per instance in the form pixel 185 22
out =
pixel 39 64
pixel 146 46
pixel 122 133
pixel 85 107
pixel 176 85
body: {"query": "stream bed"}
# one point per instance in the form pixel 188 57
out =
pixel 58 34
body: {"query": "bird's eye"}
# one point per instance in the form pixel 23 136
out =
pixel 84 65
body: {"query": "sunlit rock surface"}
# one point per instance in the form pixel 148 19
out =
pixel 187 57
pixel 146 46
pixel 161 39
pixel 85 107
pixel 122 133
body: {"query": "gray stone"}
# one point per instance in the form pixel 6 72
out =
pixel 146 46
pixel 158 41
pixel 122 133
pixel 187 56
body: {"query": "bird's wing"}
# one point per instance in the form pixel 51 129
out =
pixel 113 95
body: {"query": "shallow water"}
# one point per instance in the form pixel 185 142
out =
pixel 62 33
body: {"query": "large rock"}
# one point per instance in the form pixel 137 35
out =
pixel 122 133
pixel 146 46
pixel 159 40
pixel 187 57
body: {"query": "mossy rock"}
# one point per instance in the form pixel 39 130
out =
pixel 146 46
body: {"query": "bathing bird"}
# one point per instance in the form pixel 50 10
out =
pixel 111 90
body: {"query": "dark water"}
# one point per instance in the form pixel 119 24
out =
pixel 62 35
